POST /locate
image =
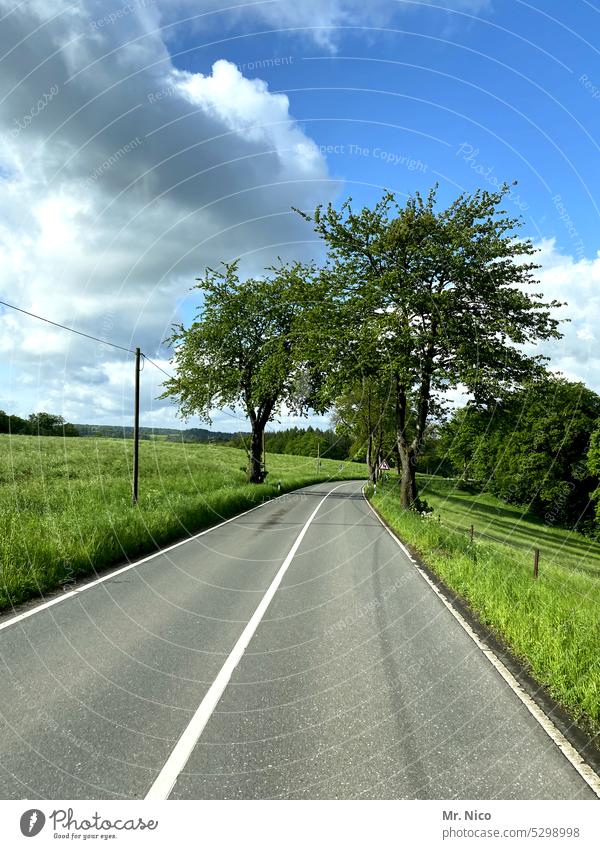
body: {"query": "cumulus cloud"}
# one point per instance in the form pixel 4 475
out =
pixel 577 283
pixel 121 179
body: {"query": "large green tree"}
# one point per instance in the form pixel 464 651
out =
pixel 431 299
pixel 531 448
pixel 242 351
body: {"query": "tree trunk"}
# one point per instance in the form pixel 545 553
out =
pixel 371 460
pixel 408 481
pixel 406 453
pixel 255 470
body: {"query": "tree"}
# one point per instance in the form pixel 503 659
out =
pixel 49 424
pixel 366 413
pixel 593 468
pixel 242 350
pixel 531 449
pixel 430 299
pixel 464 437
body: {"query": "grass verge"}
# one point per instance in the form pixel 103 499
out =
pixel 65 504
pixel 551 624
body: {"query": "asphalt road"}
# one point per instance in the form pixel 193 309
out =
pixel 357 683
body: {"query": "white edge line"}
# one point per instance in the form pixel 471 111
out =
pixel 590 777
pixel 184 747
pixel 112 574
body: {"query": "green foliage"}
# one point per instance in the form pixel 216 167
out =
pixel 243 349
pixel 306 442
pixel 365 413
pixel 531 449
pixel 38 424
pixel 66 504
pixel 593 468
pixel 551 623
pixel 427 299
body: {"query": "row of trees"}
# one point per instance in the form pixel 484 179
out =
pixel 304 442
pixel 533 448
pixel 411 302
pixel 38 424
pixel 538 446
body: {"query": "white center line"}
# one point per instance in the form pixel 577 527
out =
pixel 185 745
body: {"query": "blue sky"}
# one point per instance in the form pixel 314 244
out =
pixel 161 137
pixel 461 98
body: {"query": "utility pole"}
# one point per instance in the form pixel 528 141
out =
pixel 136 427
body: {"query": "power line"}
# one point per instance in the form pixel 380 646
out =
pixel 152 363
pixel 64 327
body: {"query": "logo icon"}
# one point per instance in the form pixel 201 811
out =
pixel 32 822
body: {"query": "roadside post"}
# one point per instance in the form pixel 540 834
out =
pixel 136 428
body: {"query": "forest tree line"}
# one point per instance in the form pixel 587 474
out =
pixel 37 424
pixel 538 447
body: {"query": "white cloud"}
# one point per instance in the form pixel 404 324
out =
pixel 576 282
pixel 121 178
pixel 318 21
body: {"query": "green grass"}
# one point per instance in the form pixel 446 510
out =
pixel 66 503
pixel 503 523
pixel 552 624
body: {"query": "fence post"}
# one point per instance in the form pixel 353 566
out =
pixel 536 562
pixel 472 532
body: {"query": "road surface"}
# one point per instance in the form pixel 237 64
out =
pixel 356 683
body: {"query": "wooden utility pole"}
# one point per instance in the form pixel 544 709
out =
pixel 136 427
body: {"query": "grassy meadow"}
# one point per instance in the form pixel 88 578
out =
pixel 66 503
pixel 552 623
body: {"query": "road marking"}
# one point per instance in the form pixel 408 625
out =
pixel 591 778
pixel 45 605
pixel 183 749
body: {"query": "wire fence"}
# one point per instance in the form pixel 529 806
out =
pixel 533 549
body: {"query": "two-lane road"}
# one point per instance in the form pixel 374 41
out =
pixel 357 681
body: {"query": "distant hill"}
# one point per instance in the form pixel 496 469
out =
pixel 307 442
pixel 167 434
